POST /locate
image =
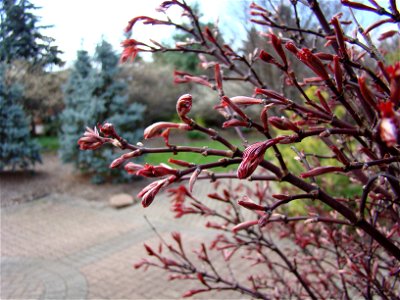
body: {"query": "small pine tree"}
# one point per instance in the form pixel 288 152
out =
pixel 17 150
pixel 95 94
pixel 20 36
pixel 20 40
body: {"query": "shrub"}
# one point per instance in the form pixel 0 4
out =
pixel 338 245
pixel 96 94
pixel 17 149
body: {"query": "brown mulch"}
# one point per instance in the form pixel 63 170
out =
pixel 54 177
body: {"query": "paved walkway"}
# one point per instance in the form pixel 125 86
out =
pixel 60 247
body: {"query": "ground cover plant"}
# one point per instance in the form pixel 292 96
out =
pixel 339 126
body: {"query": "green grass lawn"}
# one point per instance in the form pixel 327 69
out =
pixel 196 158
pixel 48 143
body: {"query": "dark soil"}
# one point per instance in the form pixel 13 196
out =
pixel 54 177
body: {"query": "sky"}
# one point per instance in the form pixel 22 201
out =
pixel 81 24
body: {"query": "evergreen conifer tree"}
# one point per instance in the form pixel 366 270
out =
pixel 20 36
pixel 95 94
pixel 20 40
pixel 17 150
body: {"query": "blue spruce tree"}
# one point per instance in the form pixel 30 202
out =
pixel 96 94
pixel 20 40
pixel 17 150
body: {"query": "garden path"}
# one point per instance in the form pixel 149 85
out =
pixel 65 247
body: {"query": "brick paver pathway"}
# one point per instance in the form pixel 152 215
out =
pixel 60 247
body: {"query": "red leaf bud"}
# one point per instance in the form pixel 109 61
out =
pixel 358 5
pixel 267 57
pixel 179 162
pixel 209 36
pixel 283 123
pixel 387 34
pixel 244 225
pixel 246 202
pixel 149 250
pixel 227 102
pixel 339 36
pixel 154 129
pixel 277 44
pixel 190 293
pixel 292 47
pixel 313 62
pixel 234 123
pixel 338 73
pixel 218 76
pixel 280 196
pixel 183 106
pixel 272 94
pixel 253 155
pixel 320 171
pixel 365 92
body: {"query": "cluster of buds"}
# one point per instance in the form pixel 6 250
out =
pixel 91 140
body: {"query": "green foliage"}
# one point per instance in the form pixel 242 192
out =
pixel 20 36
pixel 17 150
pixel 95 94
pixel 338 185
pixel 48 143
